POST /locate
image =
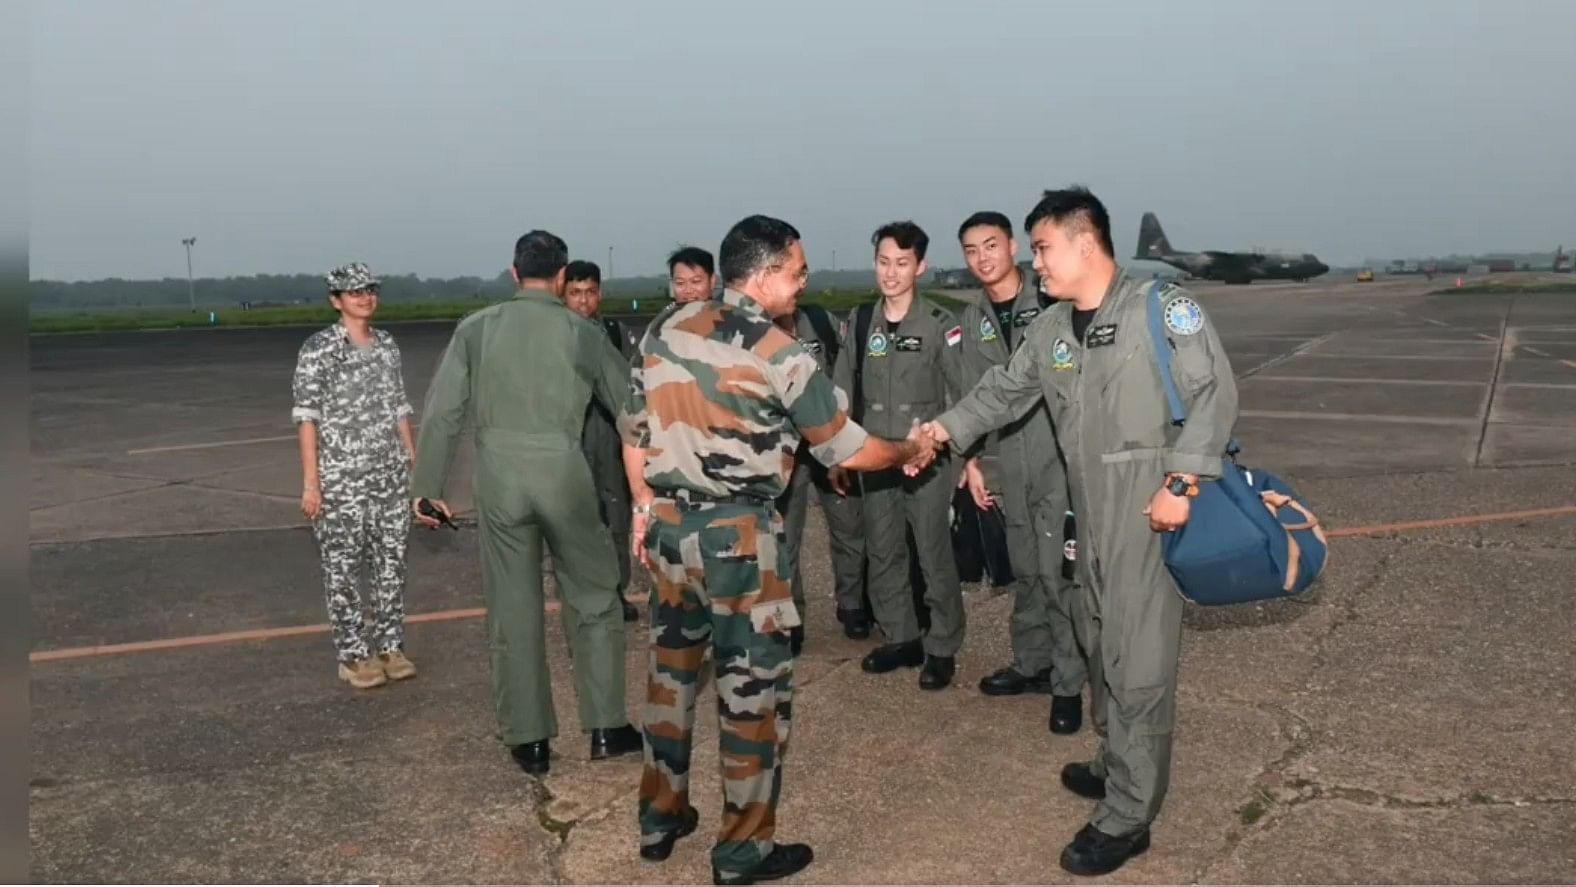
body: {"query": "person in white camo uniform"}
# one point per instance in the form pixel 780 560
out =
pixel 356 451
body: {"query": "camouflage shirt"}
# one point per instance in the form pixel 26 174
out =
pixel 354 395
pixel 721 397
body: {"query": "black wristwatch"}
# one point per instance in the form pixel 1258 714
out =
pixel 1177 485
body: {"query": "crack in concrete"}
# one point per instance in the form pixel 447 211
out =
pixel 1272 790
pixel 1308 791
pixel 559 828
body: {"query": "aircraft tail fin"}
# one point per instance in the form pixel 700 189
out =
pixel 1152 242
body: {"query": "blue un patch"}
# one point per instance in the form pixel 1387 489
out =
pixel 1183 316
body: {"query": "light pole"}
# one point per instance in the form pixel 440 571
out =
pixel 610 264
pixel 191 288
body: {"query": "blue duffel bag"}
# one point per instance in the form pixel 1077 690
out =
pixel 1248 536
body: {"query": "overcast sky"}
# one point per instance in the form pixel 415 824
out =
pixel 291 135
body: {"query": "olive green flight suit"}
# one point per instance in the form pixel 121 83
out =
pixel 523 372
pixel 911 371
pixel 604 451
pixel 844 521
pixel 1110 413
pixel 1023 464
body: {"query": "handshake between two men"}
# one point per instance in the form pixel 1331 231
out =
pixel 928 438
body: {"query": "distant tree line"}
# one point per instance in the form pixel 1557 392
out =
pixel 268 290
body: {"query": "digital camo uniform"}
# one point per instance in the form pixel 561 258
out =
pixel 355 396
pixel 1110 413
pixel 817 334
pixel 716 540
pixel 1023 462
pixel 911 371
pixel 605 454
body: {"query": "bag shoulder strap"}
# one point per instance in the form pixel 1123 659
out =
pixel 1157 332
pixel 862 318
pixel 821 322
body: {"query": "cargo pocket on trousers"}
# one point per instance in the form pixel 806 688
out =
pixel 771 655
pixel 774 617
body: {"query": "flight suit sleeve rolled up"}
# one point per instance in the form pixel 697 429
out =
pixel 443 418
pixel 307 386
pixel 403 408
pixel 818 408
pixel 1208 388
pixel 1003 394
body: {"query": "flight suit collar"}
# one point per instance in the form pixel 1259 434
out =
pixel 536 295
pixel 1028 297
pixel 1114 311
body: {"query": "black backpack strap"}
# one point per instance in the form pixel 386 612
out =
pixel 821 322
pixel 862 317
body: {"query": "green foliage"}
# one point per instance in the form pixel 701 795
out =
pixel 321 314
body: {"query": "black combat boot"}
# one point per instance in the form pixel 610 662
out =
pixel 1093 852
pixel 1081 781
pixel 662 849
pixel 890 657
pixel 938 672
pixel 533 757
pixel 856 623
pixel 784 860
pixel 1066 714
pixel 614 741
pixel 1010 682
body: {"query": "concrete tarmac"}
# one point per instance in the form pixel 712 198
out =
pixel 1406 721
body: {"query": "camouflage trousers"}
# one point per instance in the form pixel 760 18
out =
pixel 366 518
pixel 719 585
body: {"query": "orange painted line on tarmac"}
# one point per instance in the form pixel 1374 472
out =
pixel 264 634
pixel 235 637
pixel 1469 520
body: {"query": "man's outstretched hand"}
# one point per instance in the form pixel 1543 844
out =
pixel 923 437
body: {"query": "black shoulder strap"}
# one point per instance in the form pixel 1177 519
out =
pixel 822 323
pixel 862 317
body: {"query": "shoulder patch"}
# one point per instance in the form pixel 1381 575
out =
pixel 1183 316
pixel 954 336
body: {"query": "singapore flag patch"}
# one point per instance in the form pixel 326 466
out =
pixel 954 336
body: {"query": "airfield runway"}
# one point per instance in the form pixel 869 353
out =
pixel 1409 720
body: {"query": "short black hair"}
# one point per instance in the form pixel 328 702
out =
pixel 580 269
pixel 906 235
pixel 539 254
pixel 754 244
pixel 1077 210
pixel 985 217
pixel 693 256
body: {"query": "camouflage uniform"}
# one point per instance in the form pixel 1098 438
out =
pixel 715 538
pixel 356 397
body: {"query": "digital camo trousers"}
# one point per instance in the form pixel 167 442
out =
pixel 366 517
pixel 719 584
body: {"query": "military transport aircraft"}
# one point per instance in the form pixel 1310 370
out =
pixel 1229 267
